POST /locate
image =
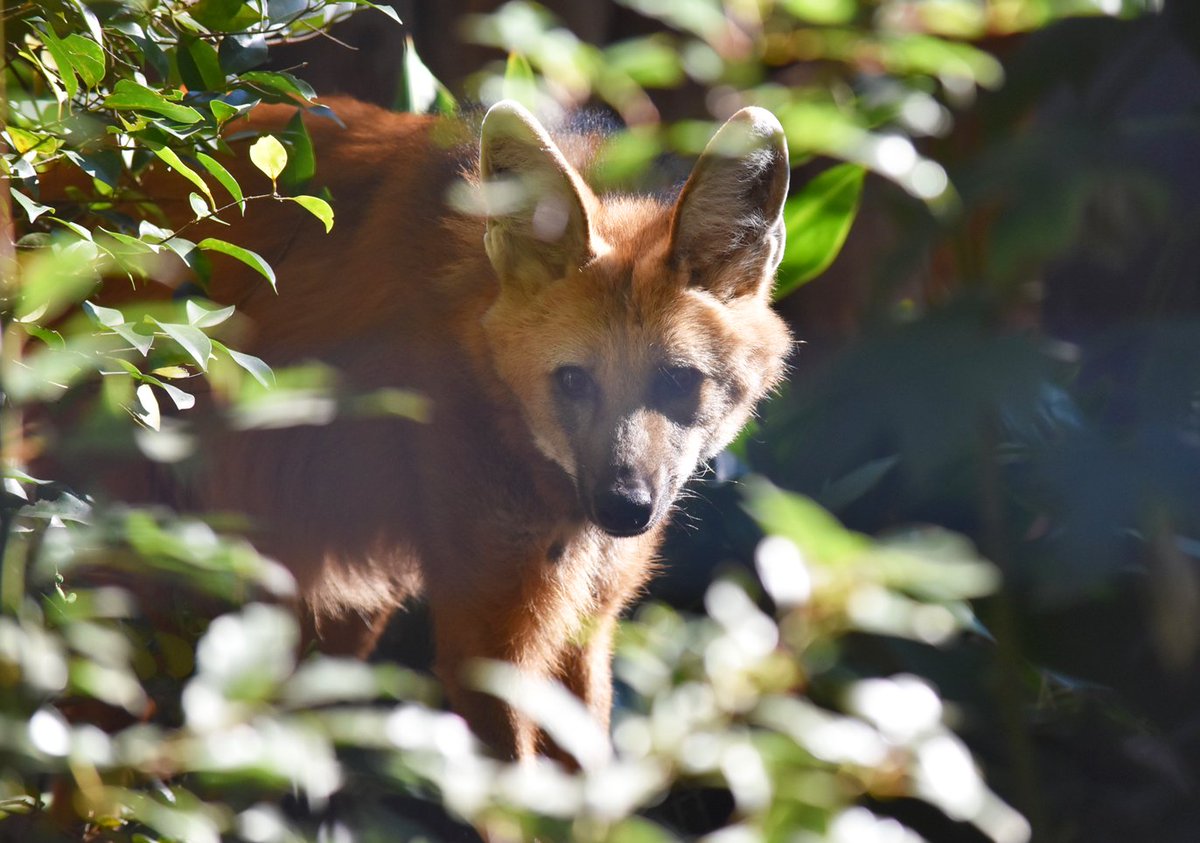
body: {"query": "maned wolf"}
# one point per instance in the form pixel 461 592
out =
pixel 581 355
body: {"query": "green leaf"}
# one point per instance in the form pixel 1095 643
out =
pixel 240 52
pixel 172 160
pixel 302 162
pixel 133 245
pixel 104 166
pixel 48 336
pixel 182 400
pixel 817 533
pixel 225 15
pixel 387 10
pixel 128 95
pixel 251 259
pixel 199 66
pixel 202 317
pixel 62 58
pixel 419 91
pixel 520 84
pixel 23 141
pixel 32 209
pixel 56 278
pixel 87 57
pixel 254 365
pixel 269 155
pixel 319 208
pixel 222 175
pixel 652 61
pixel 199 206
pixel 285 85
pixel 194 341
pixel 823 11
pixel 90 19
pixel 142 342
pixel 108 317
pixel 146 411
pixel 225 111
pixel 818 220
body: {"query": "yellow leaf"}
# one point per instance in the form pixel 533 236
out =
pixel 269 155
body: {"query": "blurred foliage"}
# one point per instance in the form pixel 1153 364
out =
pixel 835 687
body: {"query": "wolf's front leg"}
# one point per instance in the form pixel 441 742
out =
pixel 506 624
pixel 585 667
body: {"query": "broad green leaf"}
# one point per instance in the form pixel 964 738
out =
pixel 939 57
pixel 652 61
pixel 202 317
pixel 818 220
pixel 62 58
pixel 284 84
pixel 24 141
pixel 301 162
pixel 199 207
pixel 285 12
pixel 90 19
pixel 218 171
pixel 319 208
pixel 199 66
pixel 225 15
pixel 78 229
pixel 56 278
pixel 519 81
pixel 151 233
pixel 387 10
pixel 240 52
pixel 228 108
pixel 32 209
pixel 251 259
pixel 194 341
pixel 255 366
pixel 419 91
pixel 817 533
pixel 87 58
pixel 269 155
pixel 128 95
pixel 109 317
pixel 104 166
pixel 172 160
pixel 146 410
pixel 823 11
pixel 142 342
pixel 183 400
pixel 48 336
pixel 133 245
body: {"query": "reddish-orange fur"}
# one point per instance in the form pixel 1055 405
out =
pixel 478 509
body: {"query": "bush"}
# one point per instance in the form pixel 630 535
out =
pixel 798 706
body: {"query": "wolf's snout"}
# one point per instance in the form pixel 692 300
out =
pixel 624 505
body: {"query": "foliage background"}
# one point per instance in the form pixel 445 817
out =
pixel 1005 347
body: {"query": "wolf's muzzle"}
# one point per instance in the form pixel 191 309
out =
pixel 624 505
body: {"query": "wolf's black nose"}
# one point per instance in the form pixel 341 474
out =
pixel 624 507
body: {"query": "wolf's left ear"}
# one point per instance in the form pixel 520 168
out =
pixel 538 226
pixel 727 231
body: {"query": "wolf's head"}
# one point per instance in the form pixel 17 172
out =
pixel 637 336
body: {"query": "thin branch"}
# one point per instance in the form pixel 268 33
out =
pixel 213 214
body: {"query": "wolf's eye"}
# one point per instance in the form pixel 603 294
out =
pixel 676 383
pixel 573 382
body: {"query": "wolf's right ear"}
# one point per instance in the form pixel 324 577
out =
pixel 537 205
pixel 727 232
